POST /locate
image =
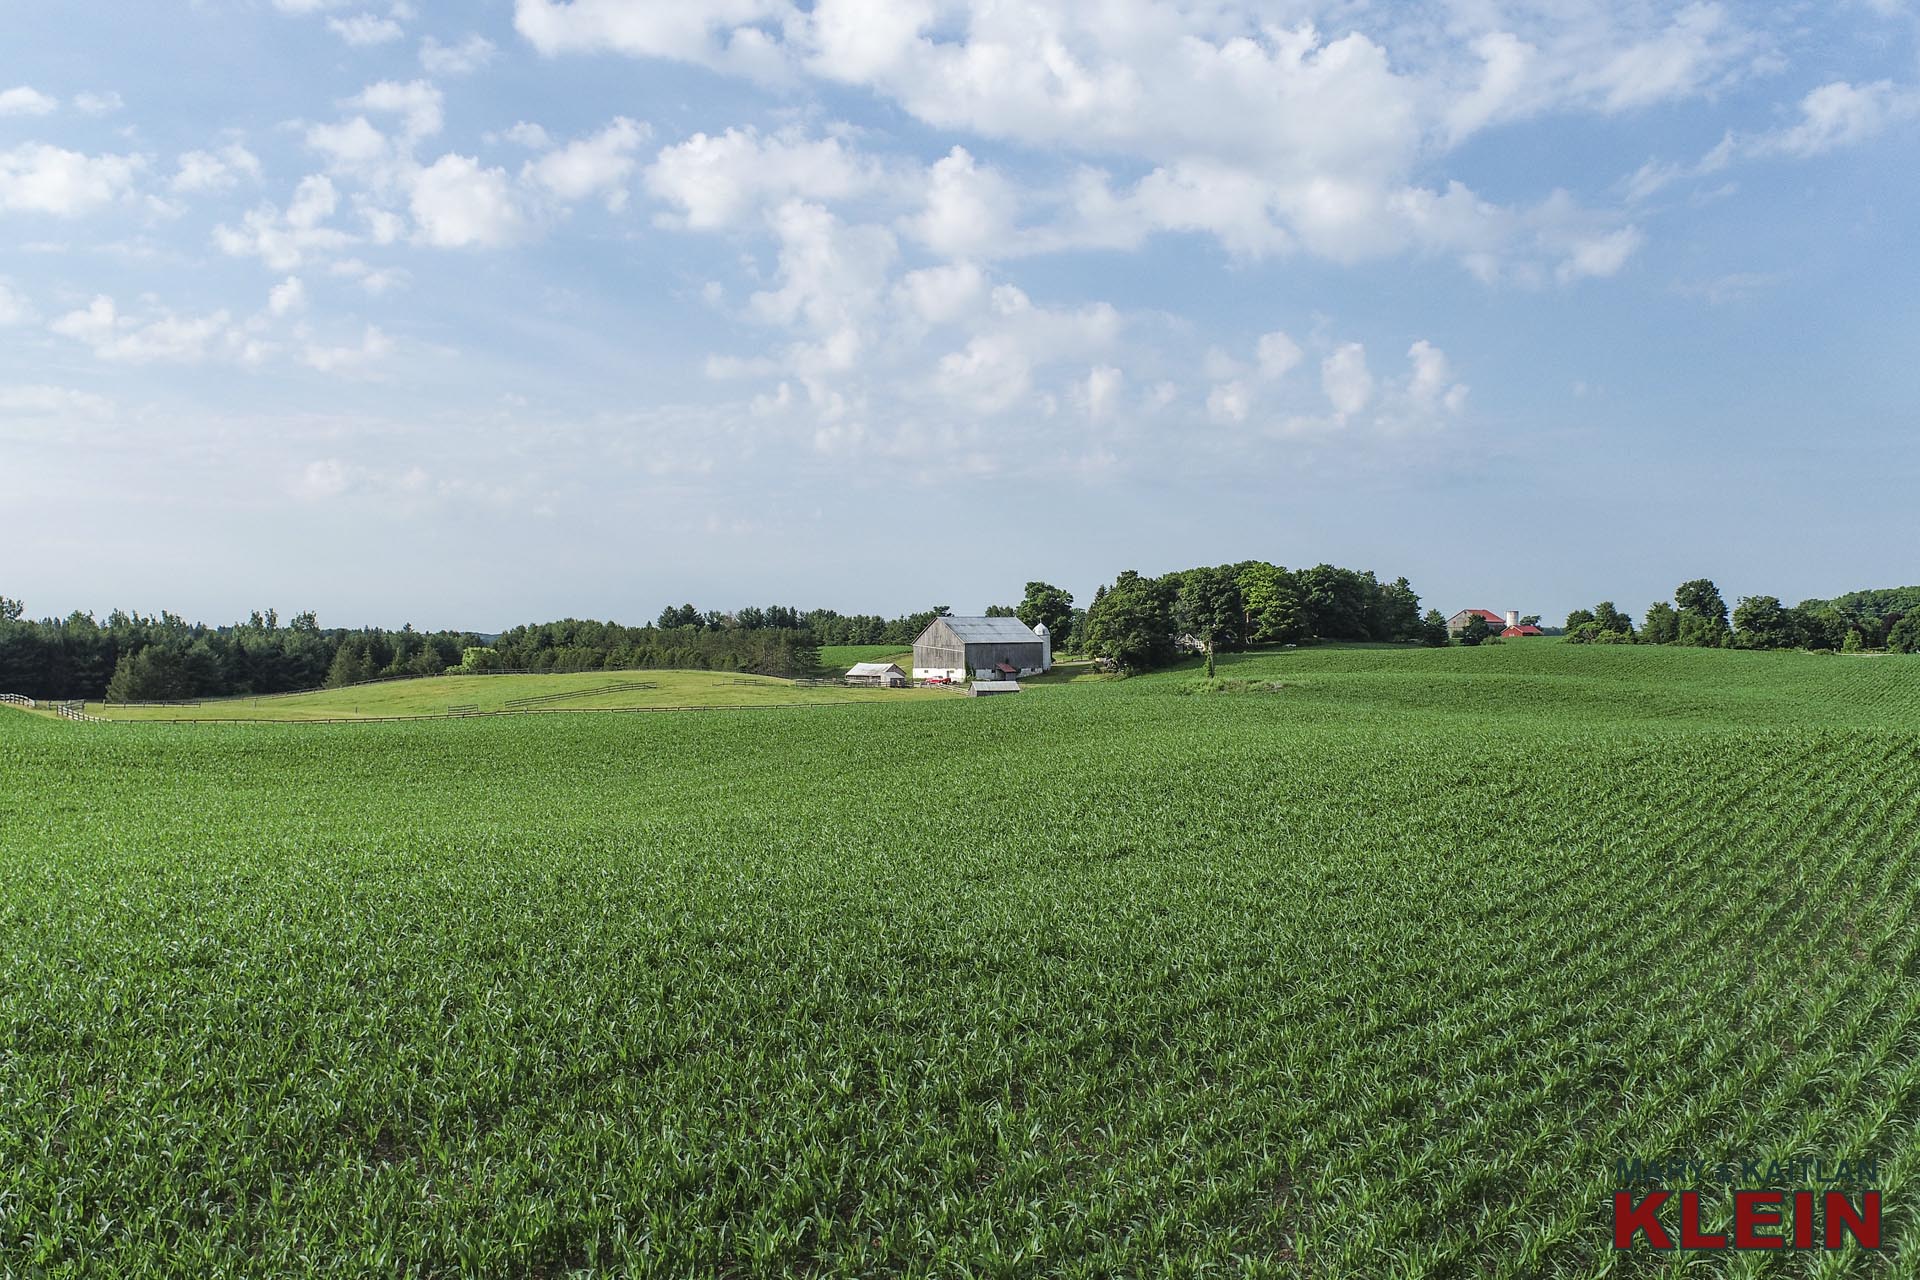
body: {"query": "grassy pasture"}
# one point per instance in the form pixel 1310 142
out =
pixel 573 691
pixel 836 658
pixel 1371 974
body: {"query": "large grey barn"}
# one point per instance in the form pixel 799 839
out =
pixel 979 649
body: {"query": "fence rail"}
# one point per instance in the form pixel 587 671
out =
pixel 16 699
pixel 543 699
pixel 76 711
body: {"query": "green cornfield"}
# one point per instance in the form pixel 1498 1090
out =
pixel 1353 963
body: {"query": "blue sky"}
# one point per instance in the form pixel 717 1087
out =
pixel 480 314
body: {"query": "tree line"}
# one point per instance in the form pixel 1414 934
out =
pixel 826 626
pixel 135 658
pixel 132 657
pixel 1698 616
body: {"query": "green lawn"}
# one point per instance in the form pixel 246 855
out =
pixel 577 691
pixel 1368 966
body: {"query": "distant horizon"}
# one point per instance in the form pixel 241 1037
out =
pixel 321 617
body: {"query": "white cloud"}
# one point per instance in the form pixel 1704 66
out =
pixel 1839 115
pixel 321 479
pixel 1346 380
pixel 37 178
pixel 1277 354
pixel 97 104
pixel 375 280
pixel 373 347
pixel 525 134
pixel 1431 385
pixel 363 29
pixel 25 100
pixel 602 163
pixel 215 170
pixel 1695 50
pixel 14 308
pixel 285 242
pixel 969 211
pixel 53 402
pixel 831 276
pixel 470 55
pixel 1228 402
pixel 456 203
pixel 722 180
pixel 1269 138
pixel 1099 394
pixel 712 32
pixel 941 295
pixel 287 297
pixel 419 104
pixel 123 339
pixel 1601 255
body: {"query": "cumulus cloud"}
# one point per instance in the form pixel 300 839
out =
pixel 943 294
pixel 969 211
pixel 374 280
pixel 464 58
pixel 285 241
pixel 458 203
pixel 1346 380
pixel 713 32
pixel 600 164
pixel 417 102
pixel 25 100
pixel 287 297
pixel 1099 393
pixel 1228 402
pixel 1277 354
pixel 37 178
pixel 1269 138
pixel 1601 255
pixel 363 29
pixel 723 180
pixel 14 308
pixel 1431 385
pixel 97 104
pixel 125 339
pixel 373 347
pixel 220 170
pixel 524 134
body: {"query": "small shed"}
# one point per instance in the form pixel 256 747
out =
pixel 982 688
pixel 884 675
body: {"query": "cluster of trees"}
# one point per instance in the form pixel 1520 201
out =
pixel 1698 616
pixel 1139 623
pixel 134 658
pixel 825 625
pixel 576 645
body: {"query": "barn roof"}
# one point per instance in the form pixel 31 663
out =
pixel 990 630
pixel 874 669
pixel 1488 614
pixel 1528 630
